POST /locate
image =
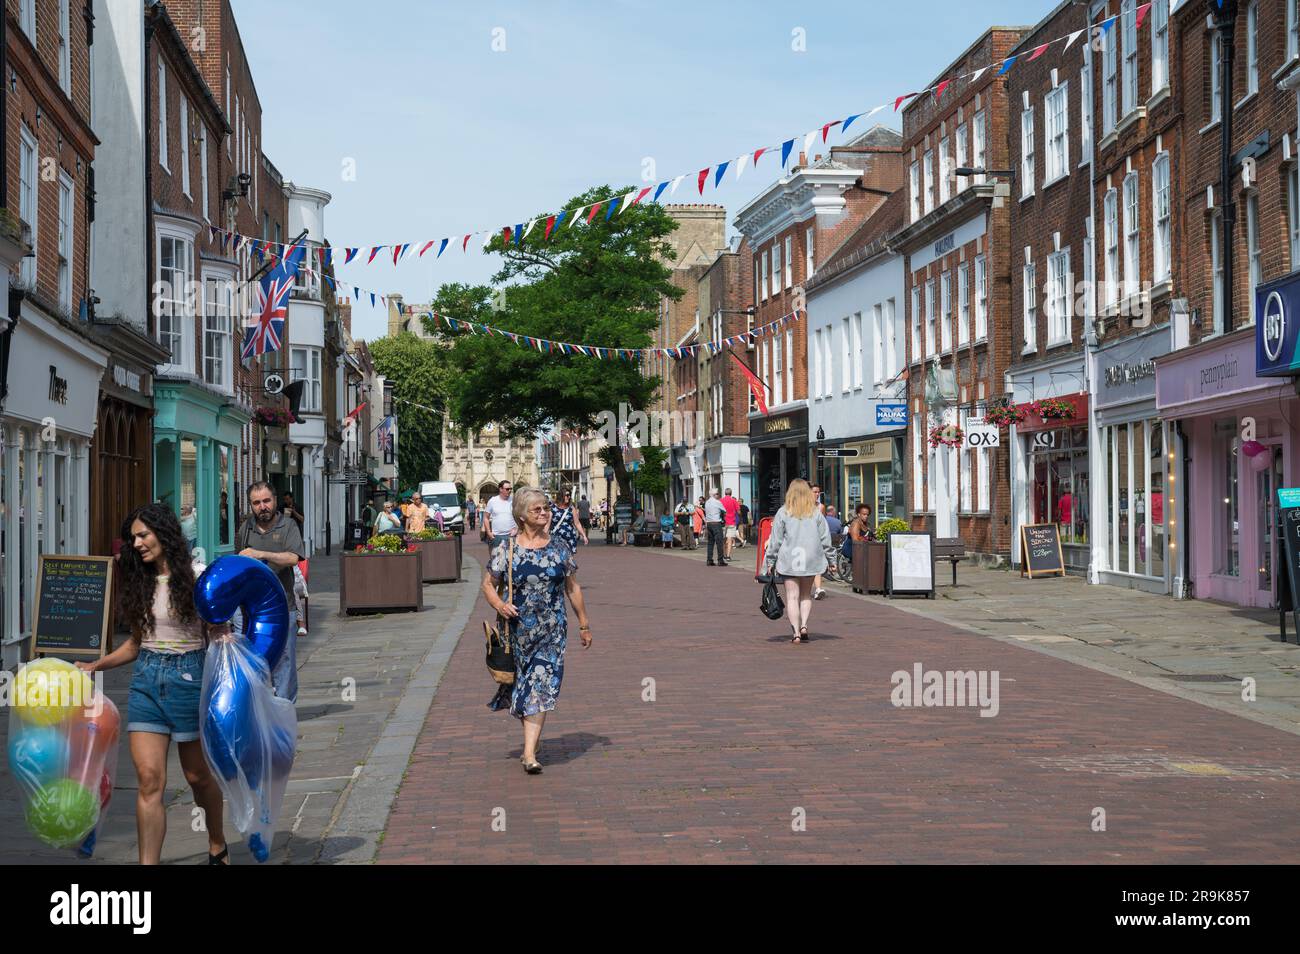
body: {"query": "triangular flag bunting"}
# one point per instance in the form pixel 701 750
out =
pixel 550 224
pixel 676 183
pixel 464 246
pixel 660 190
pixel 844 127
pixel 722 170
pixel 1038 52
pixel 938 90
pixel 785 151
pixel 373 252
pixel 641 195
pixel 1007 64
pixel 1069 42
pixel 349 254
pixel 899 102
pixel 758 154
pixel 592 214
pixel 559 219
pixel 1142 14
pixel 519 233
pixel 827 128
pixel 424 248
pixel 740 164
pixel 440 248
pixel 703 177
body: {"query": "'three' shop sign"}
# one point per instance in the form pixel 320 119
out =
pixel 1277 327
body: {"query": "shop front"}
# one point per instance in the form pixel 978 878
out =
pixel 1131 466
pixel 1050 478
pixel 1238 428
pixel 50 407
pixel 196 440
pixel 873 477
pixel 778 447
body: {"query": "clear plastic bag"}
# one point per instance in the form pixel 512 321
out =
pixel 62 751
pixel 249 738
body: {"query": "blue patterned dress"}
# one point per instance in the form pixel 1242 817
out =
pixel 539 635
pixel 563 526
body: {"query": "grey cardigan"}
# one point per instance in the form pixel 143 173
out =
pixel 800 546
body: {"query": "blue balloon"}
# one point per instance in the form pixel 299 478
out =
pixel 238 582
pixel 233 735
pixel 38 754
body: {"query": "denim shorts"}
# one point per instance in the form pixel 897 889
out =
pixel 164 696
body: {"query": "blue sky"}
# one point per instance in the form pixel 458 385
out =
pixel 450 135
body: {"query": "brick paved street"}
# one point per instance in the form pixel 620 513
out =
pixel 746 729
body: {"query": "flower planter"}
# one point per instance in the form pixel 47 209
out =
pixel 869 566
pixel 378 582
pixel 440 559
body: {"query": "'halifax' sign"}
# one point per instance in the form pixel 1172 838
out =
pixel 1277 327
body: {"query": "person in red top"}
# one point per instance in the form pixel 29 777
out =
pixel 730 519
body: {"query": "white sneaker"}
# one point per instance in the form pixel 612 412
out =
pixel 818 594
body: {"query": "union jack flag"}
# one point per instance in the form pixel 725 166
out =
pixel 386 433
pixel 265 329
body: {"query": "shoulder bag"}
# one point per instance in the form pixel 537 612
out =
pixel 500 660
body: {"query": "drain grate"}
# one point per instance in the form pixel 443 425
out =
pixel 1199 677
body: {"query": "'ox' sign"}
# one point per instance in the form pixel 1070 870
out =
pixel 982 435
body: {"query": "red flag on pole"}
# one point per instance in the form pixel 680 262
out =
pixel 755 385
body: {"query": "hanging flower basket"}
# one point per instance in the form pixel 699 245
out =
pixel 947 435
pixel 269 416
pixel 1053 409
pixel 1003 414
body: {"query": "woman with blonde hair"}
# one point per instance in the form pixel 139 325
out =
pixel 800 548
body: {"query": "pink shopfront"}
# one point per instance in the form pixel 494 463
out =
pixel 1238 445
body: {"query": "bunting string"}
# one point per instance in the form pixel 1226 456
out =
pixel 544 226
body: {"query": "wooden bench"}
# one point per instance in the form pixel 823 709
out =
pixel 951 549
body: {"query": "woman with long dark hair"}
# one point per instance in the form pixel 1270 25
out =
pixel 168 646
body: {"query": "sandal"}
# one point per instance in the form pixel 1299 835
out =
pixel 803 634
pixel 222 858
pixel 532 768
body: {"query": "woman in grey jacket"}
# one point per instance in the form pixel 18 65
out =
pixel 800 547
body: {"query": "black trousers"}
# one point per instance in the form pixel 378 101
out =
pixel 714 531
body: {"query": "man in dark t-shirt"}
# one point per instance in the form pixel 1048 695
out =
pixel 274 538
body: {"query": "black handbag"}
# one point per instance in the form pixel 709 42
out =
pixel 500 660
pixel 773 606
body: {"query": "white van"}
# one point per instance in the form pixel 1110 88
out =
pixel 441 496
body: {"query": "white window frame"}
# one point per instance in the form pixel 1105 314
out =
pixel 980 144
pixel 918 469
pixel 914 179
pixel 877 343
pixel 763 256
pixel 892 363
pixel 1060 314
pixel 1252 49
pixel 1132 235
pixel 789 365
pixel 66 240
pixel 982 480
pixel 65 47
pixel 218 329
pixel 1292 29
pixel 1293 212
pixel 778 395
pixel 27 19
pixel 29 200
pixel 963 304
pixel 1029 308
pixel 305 365
pixel 828 360
pixel 981 299
pixel 1162 219
pixel 789 261
pixel 1216 110
pixel 757 297
pixel 1056 116
pixel 945 170
pixel 1110 237
pixel 185 145
pixel 1159 46
pixel 184 297
pixel 1109 81
pixel 959 158
pixel 916 323
pixel 1216 269
pixel 162 114
pixel 964 477
pixel 927 174
pixel 818 390
pixel 1027 152
pixel 776 266
pixel 858 355
pixel 809 250
pixel 930 340
pixel 846 354
pixel 945 312
pixel 203 169
pixel 1128 23
pixel 1085 115
pixel 1254 269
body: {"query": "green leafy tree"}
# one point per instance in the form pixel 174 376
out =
pixel 598 284
pixel 418 371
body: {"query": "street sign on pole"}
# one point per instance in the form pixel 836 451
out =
pixel 837 452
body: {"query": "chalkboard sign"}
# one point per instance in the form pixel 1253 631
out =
pixel 1288 516
pixel 623 514
pixel 909 567
pixel 73 606
pixel 1040 550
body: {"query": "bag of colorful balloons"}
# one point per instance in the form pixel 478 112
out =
pixel 62 750
pixel 249 735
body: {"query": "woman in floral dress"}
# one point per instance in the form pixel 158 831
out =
pixel 564 521
pixel 544 572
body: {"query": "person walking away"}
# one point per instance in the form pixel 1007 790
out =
pixel 834 523
pixel 584 515
pixel 417 514
pixel 471 511
pixel 714 514
pixel 500 519
pixel 369 514
pixel 744 522
pixel 543 572
pixel 291 510
pixel 168 645
pixel 697 523
pixel 300 595
pixel 730 519
pixel 274 539
pixel 800 550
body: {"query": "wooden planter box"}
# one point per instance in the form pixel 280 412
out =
pixel 869 566
pixel 378 582
pixel 441 560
